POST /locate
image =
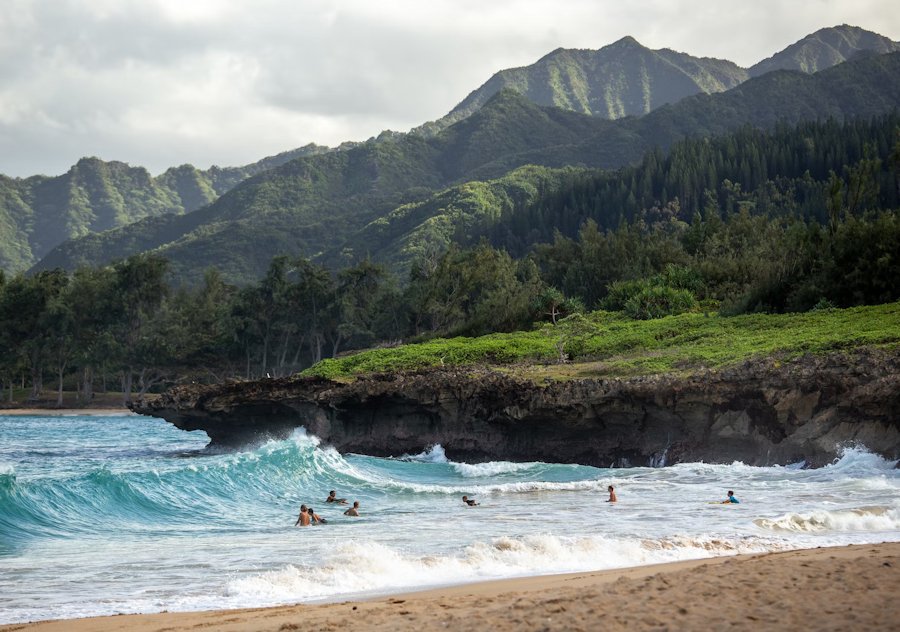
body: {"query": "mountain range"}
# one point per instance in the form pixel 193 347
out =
pixel 40 212
pixel 628 79
pixel 585 109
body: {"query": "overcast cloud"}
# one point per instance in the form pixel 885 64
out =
pixel 163 82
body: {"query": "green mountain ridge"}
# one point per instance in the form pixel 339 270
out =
pixel 377 199
pixel 618 80
pixel 626 78
pixel 825 48
pixel 309 204
pixel 40 212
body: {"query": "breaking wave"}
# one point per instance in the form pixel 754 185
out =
pixel 861 519
pixel 361 567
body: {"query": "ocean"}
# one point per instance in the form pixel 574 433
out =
pixel 105 515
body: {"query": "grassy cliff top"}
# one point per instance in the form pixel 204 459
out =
pixel 604 343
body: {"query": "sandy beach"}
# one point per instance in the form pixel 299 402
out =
pixel 845 588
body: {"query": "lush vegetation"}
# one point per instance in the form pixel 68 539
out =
pixel 606 343
pixel 323 207
pixel 805 226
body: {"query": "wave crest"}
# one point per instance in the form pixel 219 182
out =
pixel 860 519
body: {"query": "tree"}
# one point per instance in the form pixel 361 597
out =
pixel 141 287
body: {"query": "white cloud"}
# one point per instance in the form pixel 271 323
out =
pixel 162 82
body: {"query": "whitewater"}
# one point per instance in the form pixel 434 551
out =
pixel 106 515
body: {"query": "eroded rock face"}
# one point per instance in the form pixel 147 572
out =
pixel 762 412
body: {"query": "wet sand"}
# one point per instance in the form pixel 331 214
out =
pixel 845 588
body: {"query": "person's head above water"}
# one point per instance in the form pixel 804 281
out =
pixel 355 503
pixel 302 507
pixel 730 493
pixel 610 488
pixel 332 493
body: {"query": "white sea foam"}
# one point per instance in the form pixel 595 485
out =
pixel 365 566
pixel 500 488
pixel 432 454
pixel 860 519
pixel 492 468
pixel 857 460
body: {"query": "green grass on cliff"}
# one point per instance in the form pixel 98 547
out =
pixel 604 343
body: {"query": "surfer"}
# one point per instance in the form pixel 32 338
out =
pixel 612 494
pixel 354 510
pixel 315 518
pixel 469 501
pixel 332 498
pixel 730 499
pixel 303 519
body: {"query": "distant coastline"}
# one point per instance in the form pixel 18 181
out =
pixel 67 412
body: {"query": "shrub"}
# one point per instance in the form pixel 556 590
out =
pixel 658 301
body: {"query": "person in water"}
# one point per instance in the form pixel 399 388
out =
pixel 332 498
pixel 303 519
pixel 612 494
pixel 315 518
pixel 730 499
pixel 469 501
pixel 354 510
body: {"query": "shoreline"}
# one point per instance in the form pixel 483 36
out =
pixel 836 587
pixel 67 412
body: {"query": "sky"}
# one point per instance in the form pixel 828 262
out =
pixel 160 83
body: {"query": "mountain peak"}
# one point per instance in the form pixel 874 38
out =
pixel 825 48
pixel 624 78
pixel 626 42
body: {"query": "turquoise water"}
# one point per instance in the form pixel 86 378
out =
pixel 103 515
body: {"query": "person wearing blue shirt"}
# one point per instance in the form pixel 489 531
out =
pixel 731 498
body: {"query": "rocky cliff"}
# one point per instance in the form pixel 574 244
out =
pixel 761 412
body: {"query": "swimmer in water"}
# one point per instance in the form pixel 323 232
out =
pixel 731 499
pixel 612 494
pixel 315 518
pixel 354 510
pixel 469 501
pixel 332 498
pixel 303 519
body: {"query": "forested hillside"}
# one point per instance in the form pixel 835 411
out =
pixel 506 212
pixel 332 205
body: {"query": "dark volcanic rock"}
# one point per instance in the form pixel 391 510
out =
pixel 761 412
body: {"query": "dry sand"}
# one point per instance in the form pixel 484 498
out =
pixel 847 588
